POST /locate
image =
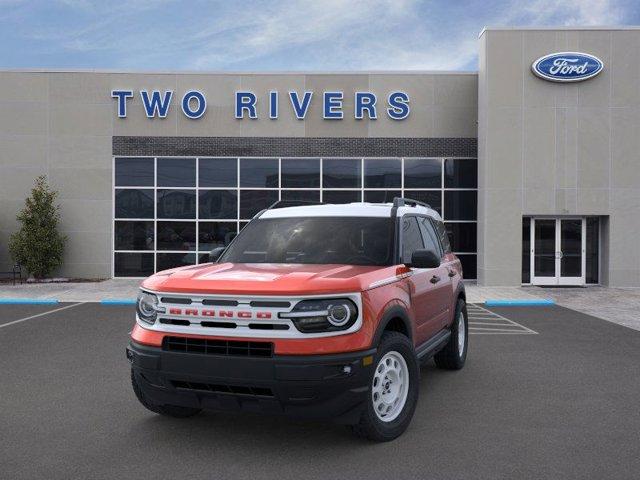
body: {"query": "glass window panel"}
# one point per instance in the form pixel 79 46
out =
pixel 381 196
pixel 134 172
pixel 303 195
pixel 166 261
pixel 460 205
pixel 430 197
pixel 132 264
pixel 341 173
pixel 422 173
pixel 463 237
pixel 252 201
pixel 215 234
pixel 411 238
pixel 134 203
pixel 341 196
pixel 176 235
pixel 203 258
pixel 381 173
pixel 133 236
pixel 243 224
pixel 593 240
pixel 259 172
pixel 469 271
pixel 218 204
pixel 218 172
pixel 300 172
pixel 176 172
pixel 526 250
pixel 460 173
pixel 176 204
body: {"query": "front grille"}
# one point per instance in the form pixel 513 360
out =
pixel 231 389
pixel 218 347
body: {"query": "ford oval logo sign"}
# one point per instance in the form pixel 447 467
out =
pixel 567 66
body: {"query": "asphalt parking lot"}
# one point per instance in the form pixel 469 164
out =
pixel 546 393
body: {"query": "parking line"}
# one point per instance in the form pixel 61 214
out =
pixel 500 325
pixel 491 324
pixel 40 314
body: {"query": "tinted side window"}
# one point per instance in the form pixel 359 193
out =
pixel 411 238
pixel 430 238
pixel 442 233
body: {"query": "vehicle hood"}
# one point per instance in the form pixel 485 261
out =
pixel 267 279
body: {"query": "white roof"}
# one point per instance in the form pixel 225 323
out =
pixel 359 209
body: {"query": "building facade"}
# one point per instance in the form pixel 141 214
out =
pixel 536 180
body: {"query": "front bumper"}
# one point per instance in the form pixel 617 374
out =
pixel 316 387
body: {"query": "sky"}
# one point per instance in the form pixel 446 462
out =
pixel 275 35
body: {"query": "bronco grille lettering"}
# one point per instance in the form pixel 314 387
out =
pixel 210 313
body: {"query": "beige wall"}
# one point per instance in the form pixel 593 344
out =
pixel 61 124
pixel 558 149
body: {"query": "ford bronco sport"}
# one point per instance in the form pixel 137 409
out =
pixel 316 311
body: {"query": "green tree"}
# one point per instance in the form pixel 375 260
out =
pixel 38 246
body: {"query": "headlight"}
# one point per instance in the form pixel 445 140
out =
pixel 147 307
pixel 323 315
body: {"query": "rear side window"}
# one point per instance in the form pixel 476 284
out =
pixel 411 238
pixel 442 233
pixel 430 237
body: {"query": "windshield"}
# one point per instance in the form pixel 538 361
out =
pixel 314 240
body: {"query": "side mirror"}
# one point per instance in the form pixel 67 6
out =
pixel 214 254
pixel 424 259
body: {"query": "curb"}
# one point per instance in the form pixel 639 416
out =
pixel 28 301
pixel 520 303
pixel 117 301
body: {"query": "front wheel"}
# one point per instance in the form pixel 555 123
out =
pixel 393 391
pixel 454 354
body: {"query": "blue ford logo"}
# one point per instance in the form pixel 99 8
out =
pixel 567 66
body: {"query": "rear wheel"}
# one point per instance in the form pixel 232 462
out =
pixel 166 410
pixel 393 392
pixel 454 354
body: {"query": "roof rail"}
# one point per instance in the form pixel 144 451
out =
pixel 292 203
pixel 401 202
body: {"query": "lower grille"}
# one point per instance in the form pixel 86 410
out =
pixel 231 389
pixel 218 347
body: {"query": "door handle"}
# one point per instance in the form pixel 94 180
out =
pixel 435 279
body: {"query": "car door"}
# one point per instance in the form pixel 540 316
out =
pixel 425 305
pixel 442 284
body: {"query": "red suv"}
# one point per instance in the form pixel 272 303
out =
pixel 316 311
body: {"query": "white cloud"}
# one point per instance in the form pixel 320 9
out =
pixel 571 12
pixel 297 35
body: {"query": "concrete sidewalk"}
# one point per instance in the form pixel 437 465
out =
pixel 128 289
pixel 121 289
pixel 618 305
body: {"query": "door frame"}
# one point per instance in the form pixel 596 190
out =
pixel 558 279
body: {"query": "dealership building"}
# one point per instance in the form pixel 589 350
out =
pixel 532 161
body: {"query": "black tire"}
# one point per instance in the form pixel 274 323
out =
pixel 370 426
pixel 450 357
pixel 166 410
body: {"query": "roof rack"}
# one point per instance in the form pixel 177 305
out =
pixel 292 203
pixel 401 202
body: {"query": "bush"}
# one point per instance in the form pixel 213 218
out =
pixel 38 246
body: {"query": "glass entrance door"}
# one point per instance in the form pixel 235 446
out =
pixel 558 251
